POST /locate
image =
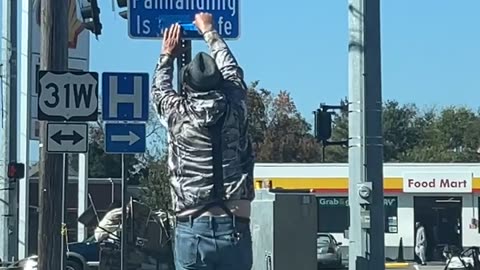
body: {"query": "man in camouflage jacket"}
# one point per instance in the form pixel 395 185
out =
pixel 213 213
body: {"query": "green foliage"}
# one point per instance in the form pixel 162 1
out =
pixel 281 134
pixel 155 184
pixel 102 165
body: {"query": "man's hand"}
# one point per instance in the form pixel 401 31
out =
pixel 204 22
pixel 171 40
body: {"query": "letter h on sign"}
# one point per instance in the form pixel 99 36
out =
pixel 125 96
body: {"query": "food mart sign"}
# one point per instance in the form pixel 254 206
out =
pixel 447 182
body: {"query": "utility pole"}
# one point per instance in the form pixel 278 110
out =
pixel 365 157
pixel 373 132
pixel 54 57
pixel 8 190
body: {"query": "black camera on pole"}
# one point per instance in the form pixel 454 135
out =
pixel 323 125
pixel 123 4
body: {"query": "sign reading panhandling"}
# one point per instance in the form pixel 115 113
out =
pixel 148 18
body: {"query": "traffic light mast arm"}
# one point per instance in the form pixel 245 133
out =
pixel 342 143
pixel 333 107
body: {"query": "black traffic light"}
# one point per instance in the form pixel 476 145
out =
pixel 91 17
pixel 123 4
pixel 323 125
pixel 16 170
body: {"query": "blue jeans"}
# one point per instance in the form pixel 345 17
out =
pixel 213 243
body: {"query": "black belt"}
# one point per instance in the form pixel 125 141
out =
pixel 208 206
pixel 190 218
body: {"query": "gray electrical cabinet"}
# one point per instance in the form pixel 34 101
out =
pixel 284 231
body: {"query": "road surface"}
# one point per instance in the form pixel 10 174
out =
pixel 411 267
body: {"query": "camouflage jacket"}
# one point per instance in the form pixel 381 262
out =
pixel 187 118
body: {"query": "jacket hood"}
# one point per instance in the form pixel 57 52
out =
pixel 206 107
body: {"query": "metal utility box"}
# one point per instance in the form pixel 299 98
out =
pixel 284 231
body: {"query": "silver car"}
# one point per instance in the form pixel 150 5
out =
pixel 328 251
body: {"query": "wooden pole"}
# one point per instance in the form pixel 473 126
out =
pixel 54 57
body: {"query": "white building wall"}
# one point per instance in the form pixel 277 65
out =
pixel 405 211
pixel 405 223
pixel 471 236
pixel 406 231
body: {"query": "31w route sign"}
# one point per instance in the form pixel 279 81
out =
pixel 148 19
pixel 67 96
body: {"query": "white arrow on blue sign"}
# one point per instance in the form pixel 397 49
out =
pixel 125 96
pixel 125 138
pixel 148 19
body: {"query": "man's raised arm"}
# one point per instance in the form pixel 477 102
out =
pixel 165 99
pixel 220 51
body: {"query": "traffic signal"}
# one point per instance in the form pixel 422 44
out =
pixel 323 125
pixel 123 4
pixel 16 170
pixel 91 17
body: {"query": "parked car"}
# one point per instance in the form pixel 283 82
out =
pixel 81 256
pixel 328 251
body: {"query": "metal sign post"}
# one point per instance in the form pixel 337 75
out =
pixel 123 238
pixel 67 100
pixel 365 156
pixel 125 111
pixel 64 211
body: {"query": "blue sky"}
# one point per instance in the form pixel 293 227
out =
pixel 429 50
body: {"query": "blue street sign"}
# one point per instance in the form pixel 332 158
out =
pixel 125 138
pixel 148 19
pixel 125 96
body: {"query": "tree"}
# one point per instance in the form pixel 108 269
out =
pixel 257 114
pixel 103 165
pixel 401 129
pixel 413 135
pixel 155 183
pixel 452 135
pixel 279 132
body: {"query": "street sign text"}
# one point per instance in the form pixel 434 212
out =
pixel 148 18
pixel 437 182
pixel 67 96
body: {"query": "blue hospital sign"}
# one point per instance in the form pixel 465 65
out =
pixel 125 96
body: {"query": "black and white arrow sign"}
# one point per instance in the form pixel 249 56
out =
pixel 74 138
pixel 67 138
